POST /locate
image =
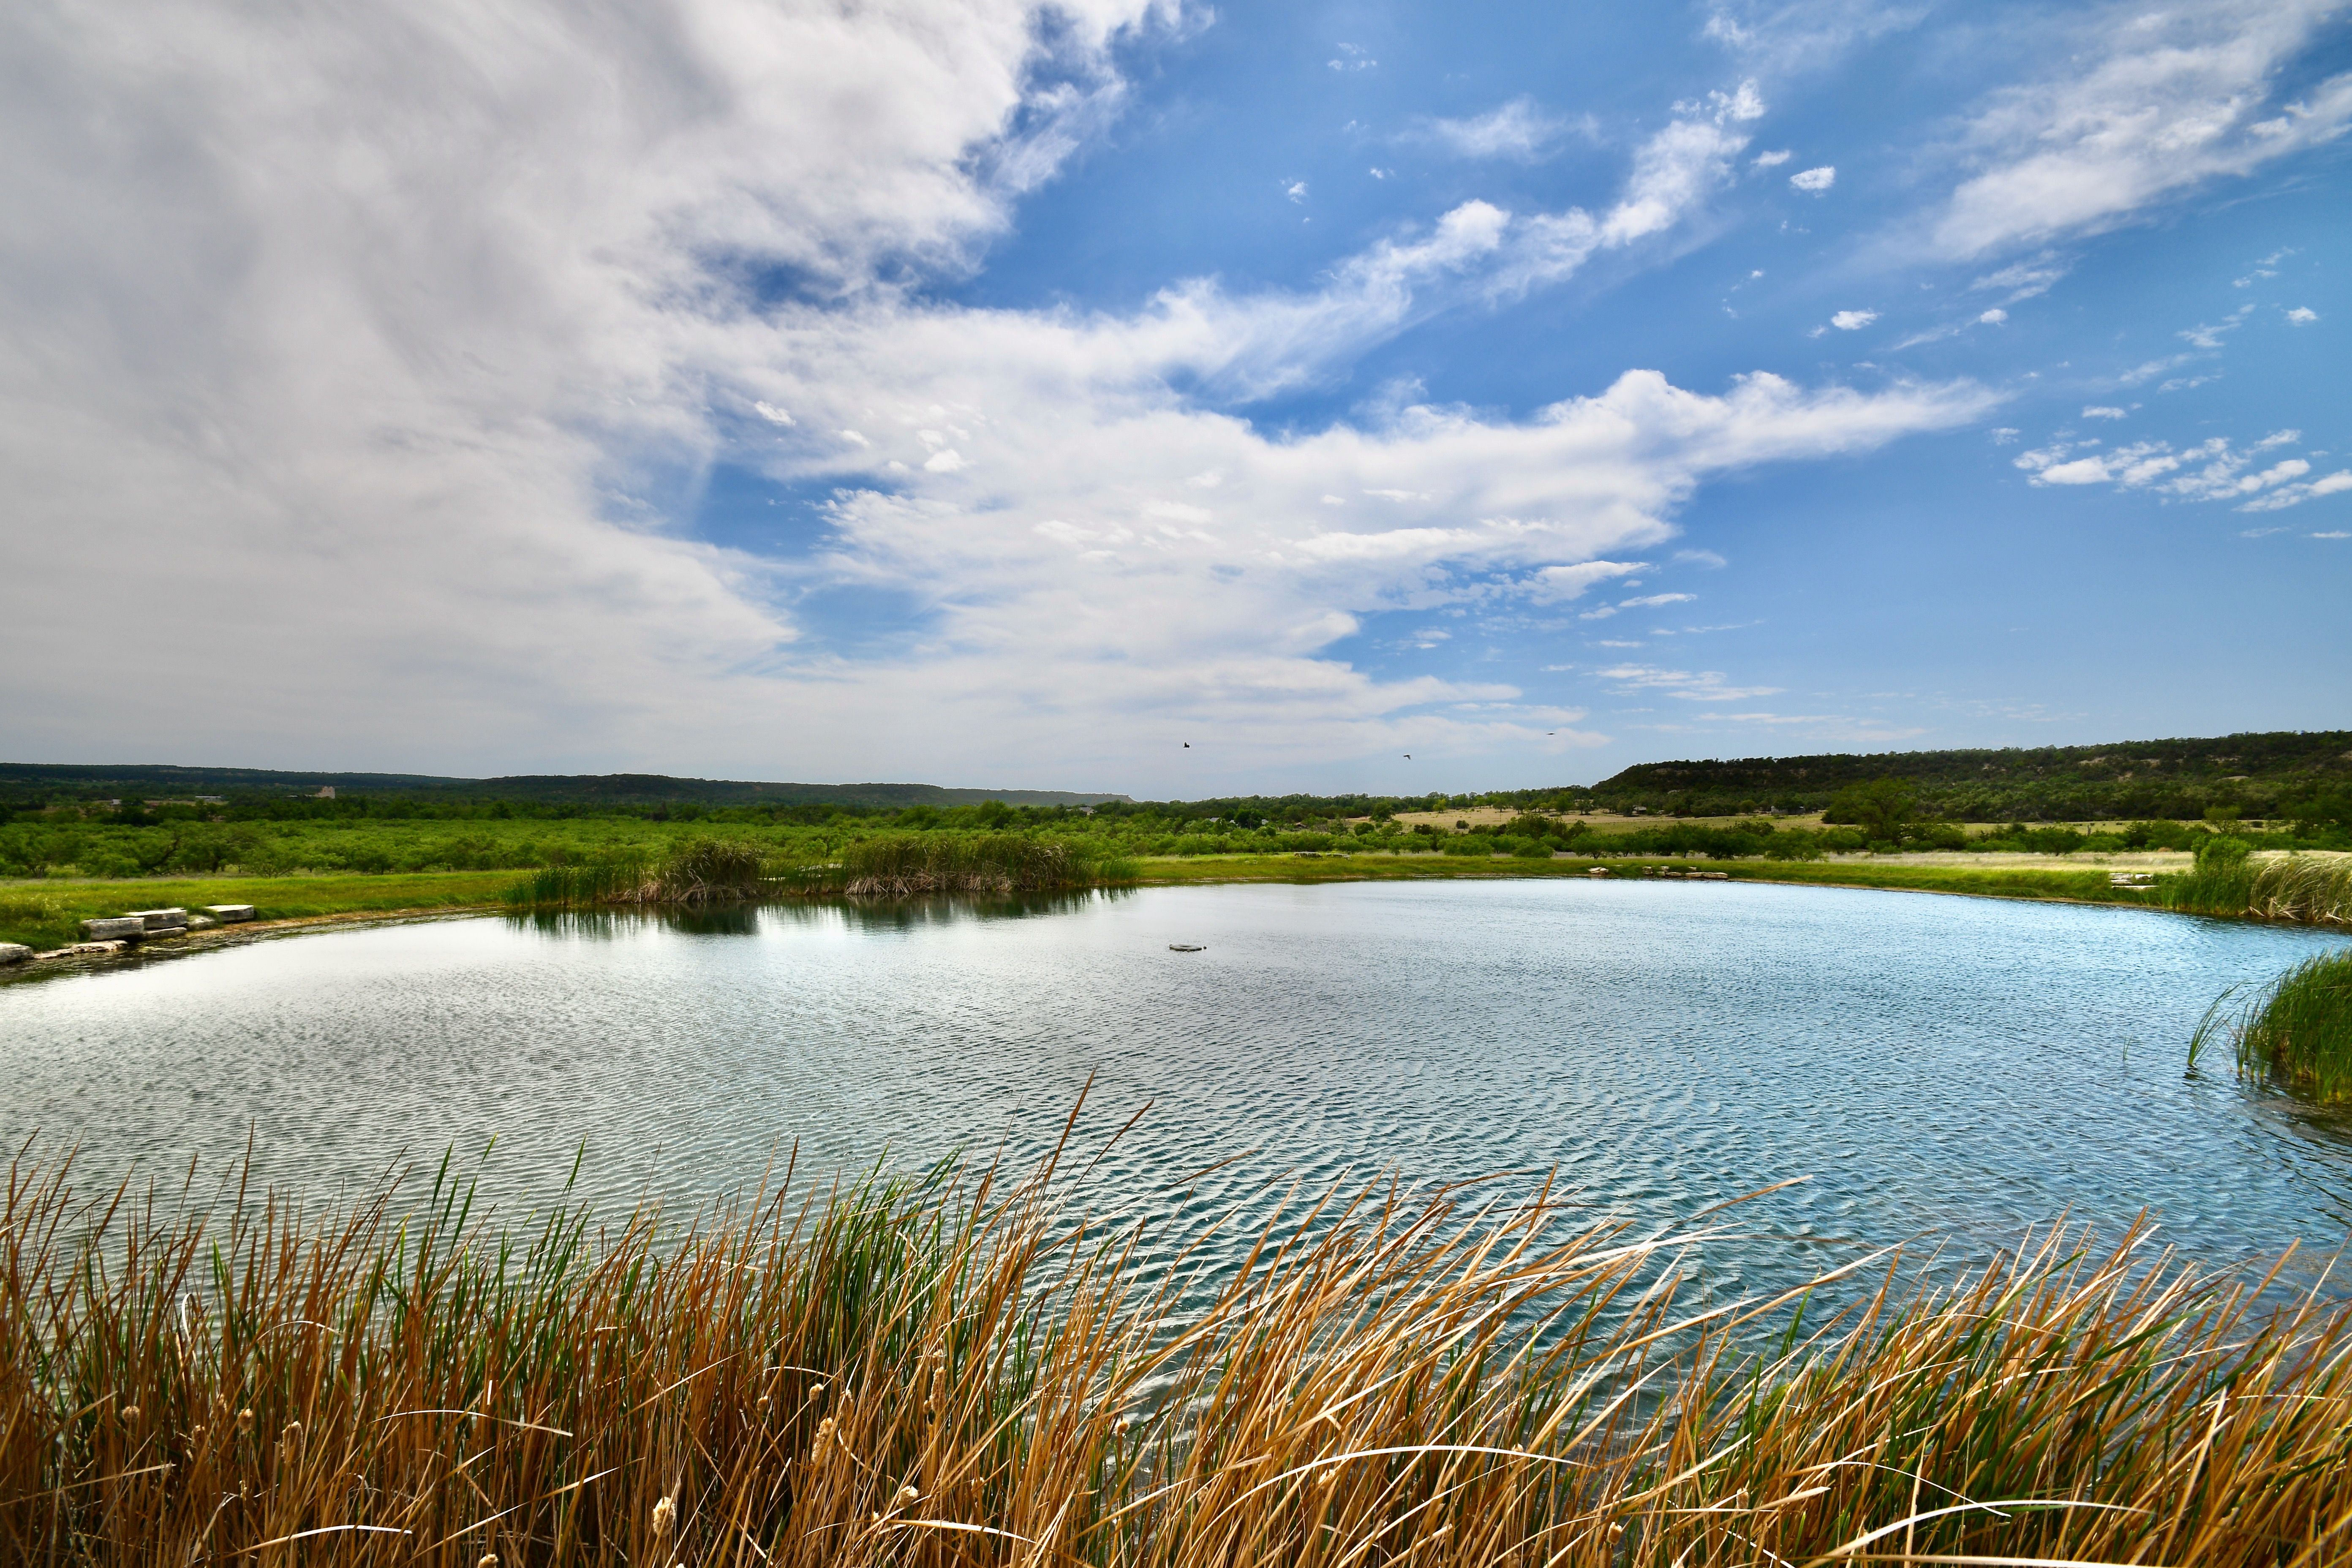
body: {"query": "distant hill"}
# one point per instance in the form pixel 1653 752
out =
pixel 2257 774
pixel 62 782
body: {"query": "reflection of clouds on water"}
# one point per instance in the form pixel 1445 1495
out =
pixel 1950 1070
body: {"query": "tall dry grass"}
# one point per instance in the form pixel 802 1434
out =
pixel 957 1371
pixel 2303 888
pixel 2315 890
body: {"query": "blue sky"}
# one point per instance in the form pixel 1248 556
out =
pixel 988 395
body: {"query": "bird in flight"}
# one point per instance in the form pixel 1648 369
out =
pixel 1188 745
pixel 1408 756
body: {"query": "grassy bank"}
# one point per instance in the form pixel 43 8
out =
pixel 2088 887
pixel 48 914
pixel 953 1372
pixel 44 914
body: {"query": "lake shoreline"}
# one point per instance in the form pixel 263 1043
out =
pixel 322 902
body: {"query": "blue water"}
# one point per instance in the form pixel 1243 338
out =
pixel 1947 1069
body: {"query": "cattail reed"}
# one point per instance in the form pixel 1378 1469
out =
pixel 961 1371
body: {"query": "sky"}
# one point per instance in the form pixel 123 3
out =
pixel 1165 398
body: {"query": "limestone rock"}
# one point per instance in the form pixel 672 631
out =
pixel 114 928
pixel 14 952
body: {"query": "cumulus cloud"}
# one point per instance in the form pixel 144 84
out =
pixel 388 338
pixel 1772 160
pixel 2303 315
pixel 1852 320
pixel 2163 102
pixel 2212 471
pixel 1815 180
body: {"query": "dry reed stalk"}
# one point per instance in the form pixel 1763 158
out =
pixel 956 1371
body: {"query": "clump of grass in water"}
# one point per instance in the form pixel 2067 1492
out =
pixel 601 881
pixel 701 871
pixel 2298 1030
pixel 956 1369
pixel 907 865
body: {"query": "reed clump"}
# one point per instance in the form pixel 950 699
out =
pixel 2297 1031
pixel 911 864
pixel 952 1370
pixel 2308 887
pixel 701 871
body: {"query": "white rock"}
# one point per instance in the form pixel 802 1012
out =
pixel 114 928
pixel 14 952
pixel 227 913
pixel 163 920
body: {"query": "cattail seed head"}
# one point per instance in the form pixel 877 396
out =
pixel 665 1515
pixel 245 1419
pixel 489 1560
pixel 905 1495
pixel 131 1413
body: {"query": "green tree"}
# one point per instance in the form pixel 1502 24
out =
pixel 1879 808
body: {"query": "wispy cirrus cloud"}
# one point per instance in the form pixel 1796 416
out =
pixel 2165 101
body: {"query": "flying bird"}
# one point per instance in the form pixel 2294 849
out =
pixel 1408 756
pixel 1188 745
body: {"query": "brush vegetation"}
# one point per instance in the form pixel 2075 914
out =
pixel 2297 1031
pixel 951 1370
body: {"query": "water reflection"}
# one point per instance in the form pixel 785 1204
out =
pixel 880 915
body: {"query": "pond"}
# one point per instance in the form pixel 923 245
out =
pixel 1951 1068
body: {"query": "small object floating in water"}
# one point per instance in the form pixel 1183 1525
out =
pixel 1188 947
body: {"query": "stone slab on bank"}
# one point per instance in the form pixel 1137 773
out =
pixel 114 928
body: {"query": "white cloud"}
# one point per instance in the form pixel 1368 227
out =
pixel 1295 190
pixel 1772 160
pixel 1700 686
pixel 2214 470
pixel 2024 279
pixel 2099 411
pixel 2165 102
pixel 1352 58
pixel 385 336
pixel 1852 320
pixel 2303 315
pixel 1815 180
pixel 1517 130
pixel 1648 601
pixel 1993 318
pixel 771 413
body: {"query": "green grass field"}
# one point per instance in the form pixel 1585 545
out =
pixel 47 914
